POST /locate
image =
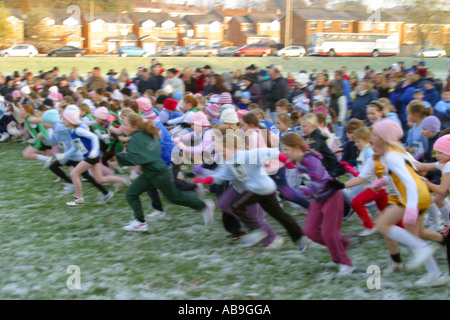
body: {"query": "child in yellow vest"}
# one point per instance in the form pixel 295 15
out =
pixel 414 199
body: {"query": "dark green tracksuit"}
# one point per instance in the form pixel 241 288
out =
pixel 145 150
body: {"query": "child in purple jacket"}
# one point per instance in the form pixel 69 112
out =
pixel 323 222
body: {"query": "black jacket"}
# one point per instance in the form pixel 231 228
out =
pixel 278 91
pixel 320 145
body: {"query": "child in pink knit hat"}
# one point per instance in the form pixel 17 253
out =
pixel 442 149
pixel 414 198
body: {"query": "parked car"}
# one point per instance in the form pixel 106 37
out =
pixel 227 51
pixel 292 51
pixel 67 51
pixel 201 51
pixel 171 51
pixel 430 53
pixel 255 49
pixel 132 51
pixel 19 50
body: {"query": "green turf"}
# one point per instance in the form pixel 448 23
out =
pixel 179 258
pixel 219 64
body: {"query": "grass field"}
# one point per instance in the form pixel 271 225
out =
pixel 220 64
pixel 179 259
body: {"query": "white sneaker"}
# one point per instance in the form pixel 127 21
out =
pixel 208 212
pixel 106 197
pixel 303 244
pixel 432 281
pixel 421 256
pixel 119 185
pixel 367 232
pixel 275 244
pixel 31 141
pixel 200 191
pixel 5 136
pixel 133 175
pixel 180 175
pixel 136 225
pixel 252 238
pixel 48 162
pixel 68 189
pixel 156 214
pixel 394 267
pixel 75 202
pixel 346 270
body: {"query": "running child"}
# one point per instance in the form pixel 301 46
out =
pixel 324 218
pixel 88 144
pixel 414 199
pixel 144 137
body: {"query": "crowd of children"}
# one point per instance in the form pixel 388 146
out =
pixel 377 149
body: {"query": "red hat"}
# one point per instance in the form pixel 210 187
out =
pixel 170 104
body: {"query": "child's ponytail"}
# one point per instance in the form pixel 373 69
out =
pixel 148 127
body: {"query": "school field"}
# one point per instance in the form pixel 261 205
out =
pixel 44 244
pixel 440 66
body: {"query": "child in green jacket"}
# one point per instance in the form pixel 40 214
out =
pixel 144 149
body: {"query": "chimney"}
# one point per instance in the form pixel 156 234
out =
pixel 278 12
pixel 249 9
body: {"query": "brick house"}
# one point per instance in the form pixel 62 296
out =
pixel 58 28
pixel 307 21
pixel 106 32
pixel 174 9
pixel 226 14
pixel 15 19
pixel 253 27
pixel 388 23
pixel 65 28
pixel 205 29
pixel 157 30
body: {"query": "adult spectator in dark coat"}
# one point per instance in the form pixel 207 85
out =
pixel 256 95
pixel 145 83
pixel 279 89
pixel 363 97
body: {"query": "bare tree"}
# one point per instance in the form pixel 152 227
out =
pixel 5 28
pixel 427 15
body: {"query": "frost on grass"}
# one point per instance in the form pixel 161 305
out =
pixel 178 259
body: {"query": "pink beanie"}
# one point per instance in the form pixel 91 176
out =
pixel 388 130
pixel 143 103
pixel 443 144
pixel 241 113
pixel 322 109
pixel 225 98
pixel 16 93
pixel 149 114
pixel 200 118
pixel 101 113
pixel 213 110
pixel 55 96
pixel 72 116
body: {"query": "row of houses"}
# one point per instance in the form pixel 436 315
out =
pixel 102 32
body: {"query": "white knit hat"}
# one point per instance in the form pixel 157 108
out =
pixel 25 90
pixel 53 89
pixel 229 116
